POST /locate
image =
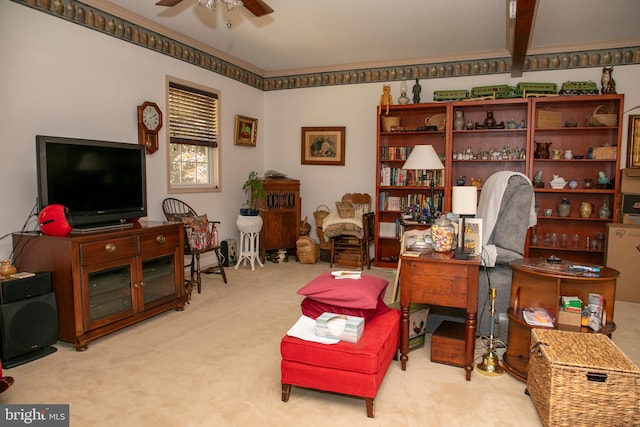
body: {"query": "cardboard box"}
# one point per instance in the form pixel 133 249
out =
pixel 340 326
pixel 623 241
pixel 631 204
pixel 630 180
pixel 570 319
pixel 630 219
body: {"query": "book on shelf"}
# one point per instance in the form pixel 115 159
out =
pixel 596 307
pixel 538 316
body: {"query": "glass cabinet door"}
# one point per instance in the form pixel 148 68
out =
pixel 108 294
pixel 158 277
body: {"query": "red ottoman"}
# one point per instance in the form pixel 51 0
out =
pixel 347 368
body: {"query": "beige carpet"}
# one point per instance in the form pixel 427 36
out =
pixel 218 364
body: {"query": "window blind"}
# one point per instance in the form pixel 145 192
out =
pixel 193 116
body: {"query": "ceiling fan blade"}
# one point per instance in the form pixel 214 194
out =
pixel 257 7
pixel 168 3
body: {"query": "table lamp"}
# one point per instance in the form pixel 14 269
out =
pixel 424 157
pixel 464 202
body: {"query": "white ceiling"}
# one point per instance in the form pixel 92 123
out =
pixel 339 34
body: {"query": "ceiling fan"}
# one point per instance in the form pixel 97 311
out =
pixel 257 7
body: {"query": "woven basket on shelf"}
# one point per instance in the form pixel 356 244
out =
pixel 320 214
pixel 389 122
pixel 307 250
pixel 305 228
pixel 602 119
pixel 346 209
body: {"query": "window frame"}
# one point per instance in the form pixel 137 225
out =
pixel 214 157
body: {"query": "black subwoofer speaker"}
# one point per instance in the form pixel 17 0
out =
pixel 28 319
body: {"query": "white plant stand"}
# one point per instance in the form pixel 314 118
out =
pixel 249 227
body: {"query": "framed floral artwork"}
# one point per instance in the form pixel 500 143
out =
pixel 323 146
pixel 633 143
pixel 246 131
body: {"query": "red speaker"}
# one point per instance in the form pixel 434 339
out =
pixel 54 220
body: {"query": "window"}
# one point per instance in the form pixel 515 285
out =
pixel 193 139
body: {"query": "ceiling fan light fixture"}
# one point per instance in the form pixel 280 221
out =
pixel 211 4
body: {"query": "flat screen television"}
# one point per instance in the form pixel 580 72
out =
pixel 101 183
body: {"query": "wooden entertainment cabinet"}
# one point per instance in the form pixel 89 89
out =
pixel 107 280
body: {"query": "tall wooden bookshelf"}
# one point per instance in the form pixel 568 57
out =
pixel 472 153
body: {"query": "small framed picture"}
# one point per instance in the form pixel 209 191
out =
pixel 472 235
pixel 323 146
pixel 246 131
pixel 633 156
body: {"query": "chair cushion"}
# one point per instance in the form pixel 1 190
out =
pixel 198 233
pixel 369 355
pixel 312 308
pixel 350 293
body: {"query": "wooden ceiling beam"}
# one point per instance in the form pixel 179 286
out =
pixel 520 33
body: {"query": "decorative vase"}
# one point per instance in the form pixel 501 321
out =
pixel 489 121
pixel 586 209
pixel 7 269
pixel 458 122
pixel 588 183
pixel 604 212
pixel 573 184
pixel 564 208
pixel 568 155
pixel 470 125
pixel 542 150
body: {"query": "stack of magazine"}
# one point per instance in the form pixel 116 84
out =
pixel 538 316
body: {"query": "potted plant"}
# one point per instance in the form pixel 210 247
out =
pixel 255 194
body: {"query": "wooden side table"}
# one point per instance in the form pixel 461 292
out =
pixel 438 279
pixel 534 286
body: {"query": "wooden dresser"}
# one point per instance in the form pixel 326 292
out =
pixel 107 280
pixel 281 218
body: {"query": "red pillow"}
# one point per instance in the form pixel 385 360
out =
pixel 349 293
pixel 313 309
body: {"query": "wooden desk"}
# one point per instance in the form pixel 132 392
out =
pixel 439 279
pixel 532 286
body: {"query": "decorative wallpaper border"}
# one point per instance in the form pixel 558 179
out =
pixel 98 20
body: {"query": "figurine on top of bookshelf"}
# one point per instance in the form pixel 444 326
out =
pixel 385 99
pixel 416 92
pixel 607 81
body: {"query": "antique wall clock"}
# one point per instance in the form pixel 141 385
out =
pixel 149 124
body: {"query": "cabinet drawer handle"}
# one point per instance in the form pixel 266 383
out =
pixel 110 247
pixel 160 238
pixel 142 284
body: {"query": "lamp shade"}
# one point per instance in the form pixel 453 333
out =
pixel 423 157
pixel 464 199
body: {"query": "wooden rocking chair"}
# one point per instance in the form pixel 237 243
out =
pixel 178 211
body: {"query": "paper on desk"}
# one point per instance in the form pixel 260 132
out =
pixel 305 329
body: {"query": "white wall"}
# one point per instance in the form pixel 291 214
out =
pixel 62 79
pixel 354 106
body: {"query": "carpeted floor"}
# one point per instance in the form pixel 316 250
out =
pixel 217 363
